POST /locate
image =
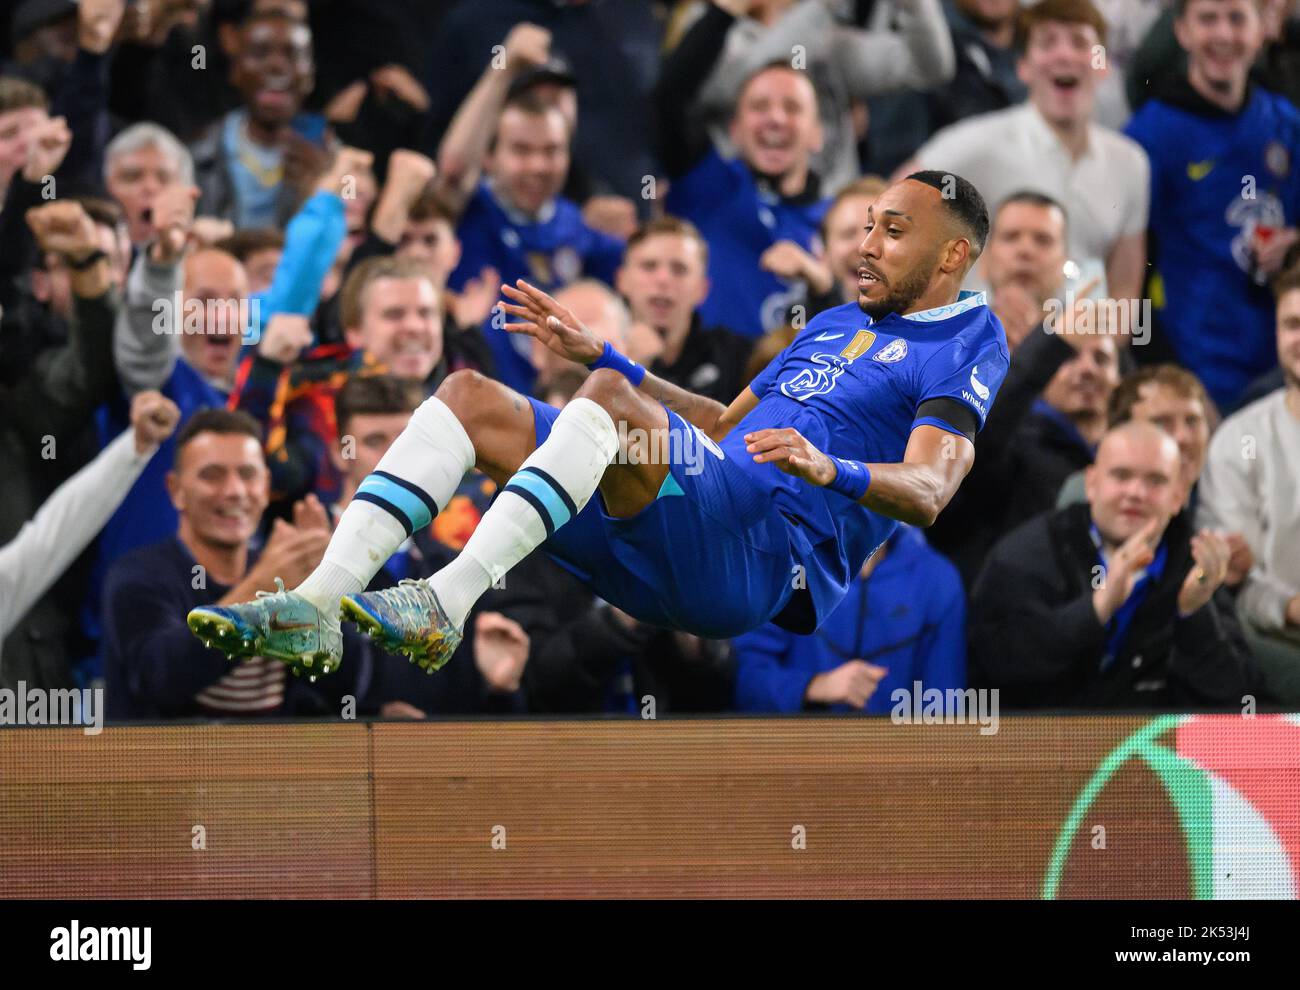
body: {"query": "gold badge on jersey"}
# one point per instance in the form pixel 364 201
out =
pixel 859 345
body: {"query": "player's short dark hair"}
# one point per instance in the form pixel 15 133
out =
pixel 965 204
pixel 1063 11
pixel 1128 393
pixel 670 225
pixel 248 241
pixel 376 395
pixel 1031 197
pixel 221 421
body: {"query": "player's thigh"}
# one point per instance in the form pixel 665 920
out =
pixel 498 420
pixel 633 480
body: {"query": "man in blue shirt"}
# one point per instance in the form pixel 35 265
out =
pixel 501 168
pixel 1225 197
pixel 743 204
pixel 711 520
pixel 903 620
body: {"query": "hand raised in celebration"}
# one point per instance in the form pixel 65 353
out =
pixel 792 453
pixel 540 316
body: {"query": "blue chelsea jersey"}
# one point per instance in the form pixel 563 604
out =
pixel 852 386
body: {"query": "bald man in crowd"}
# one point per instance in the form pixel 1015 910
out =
pixel 1112 603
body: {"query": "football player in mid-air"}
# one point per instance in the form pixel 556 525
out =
pixel 710 519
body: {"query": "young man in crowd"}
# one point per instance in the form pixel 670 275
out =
pixel 154 668
pixel 664 278
pixel 503 177
pixel 742 205
pixel 1225 197
pixel 1049 144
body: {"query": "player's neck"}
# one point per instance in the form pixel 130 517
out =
pixel 1229 97
pixel 224 565
pixel 944 294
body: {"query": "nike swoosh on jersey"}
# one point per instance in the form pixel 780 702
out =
pixel 828 336
pixel 1196 171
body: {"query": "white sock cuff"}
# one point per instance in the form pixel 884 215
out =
pixel 594 422
pixel 435 419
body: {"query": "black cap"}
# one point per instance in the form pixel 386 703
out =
pixel 555 69
pixel 32 15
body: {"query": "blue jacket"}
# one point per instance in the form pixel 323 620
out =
pixel 908 616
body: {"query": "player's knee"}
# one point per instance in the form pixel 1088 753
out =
pixel 607 388
pixel 469 394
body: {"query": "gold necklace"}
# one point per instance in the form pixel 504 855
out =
pixel 267 177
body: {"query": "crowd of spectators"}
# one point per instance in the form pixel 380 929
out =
pixel 242 240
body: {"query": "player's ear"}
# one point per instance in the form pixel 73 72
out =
pixel 956 256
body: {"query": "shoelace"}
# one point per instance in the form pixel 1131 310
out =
pixel 412 599
pixel 279 591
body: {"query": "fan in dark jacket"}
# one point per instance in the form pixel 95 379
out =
pixel 1104 605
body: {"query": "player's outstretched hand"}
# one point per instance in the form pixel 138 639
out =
pixel 540 316
pixel 792 453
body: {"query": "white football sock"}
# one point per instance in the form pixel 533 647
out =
pixel 550 487
pixel 412 483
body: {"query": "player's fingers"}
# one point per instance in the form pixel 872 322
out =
pixel 765 440
pixel 537 295
pixel 531 329
pixel 524 312
pixel 520 297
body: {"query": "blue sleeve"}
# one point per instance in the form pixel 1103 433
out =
pixel 943 663
pixel 969 371
pixel 764 683
pixel 311 243
pixel 764 379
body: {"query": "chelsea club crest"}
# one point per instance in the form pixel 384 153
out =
pixel 895 350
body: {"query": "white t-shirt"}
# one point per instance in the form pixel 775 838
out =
pixel 1251 485
pixel 1105 192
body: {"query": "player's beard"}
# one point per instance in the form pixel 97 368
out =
pixel 904 295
